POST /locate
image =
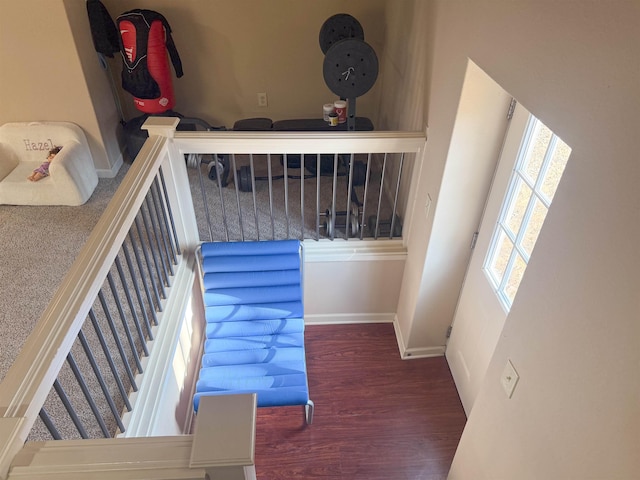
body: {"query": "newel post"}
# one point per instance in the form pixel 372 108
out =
pixel 224 437
pixel 10 442
pixel 161 126
pixel 174 169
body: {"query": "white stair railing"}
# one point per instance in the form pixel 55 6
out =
pixel 28 383
pixel 301 185
pixel 25 389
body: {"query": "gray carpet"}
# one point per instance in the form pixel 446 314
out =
pixel 256 212
pixel 39 246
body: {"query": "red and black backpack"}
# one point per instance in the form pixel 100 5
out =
pixel 145 39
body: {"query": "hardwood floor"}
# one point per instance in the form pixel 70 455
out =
pixel 376 416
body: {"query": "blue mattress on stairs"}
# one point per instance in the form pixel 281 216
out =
pixel 253 301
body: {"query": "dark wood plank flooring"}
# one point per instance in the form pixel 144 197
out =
pixel 376 416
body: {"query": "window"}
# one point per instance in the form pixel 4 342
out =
pixel 541 161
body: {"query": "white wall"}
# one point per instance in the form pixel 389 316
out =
pixel 354 281
pixel 574 331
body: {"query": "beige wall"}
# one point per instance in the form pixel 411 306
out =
pixel 44 76
pixel 404 84
pixel 97 81
pixel 574 330
pixel 406 65
pixel 232 50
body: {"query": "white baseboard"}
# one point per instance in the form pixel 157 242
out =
pixel 111 173
pixel 355 318
pixel 411 353
pixel 347 318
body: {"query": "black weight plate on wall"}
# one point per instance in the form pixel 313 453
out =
pixel 219 166
pixel 359 173
pixel 244 179
pixel 293 160
pixel 338 27
pixel 350 68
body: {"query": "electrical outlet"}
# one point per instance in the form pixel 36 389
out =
pixel 262 100
pixel 509 379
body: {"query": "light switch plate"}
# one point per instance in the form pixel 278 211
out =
pixel 509 379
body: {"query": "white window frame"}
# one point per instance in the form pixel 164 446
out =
pixel 518 174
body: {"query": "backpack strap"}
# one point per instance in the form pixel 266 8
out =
pixel 173 53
